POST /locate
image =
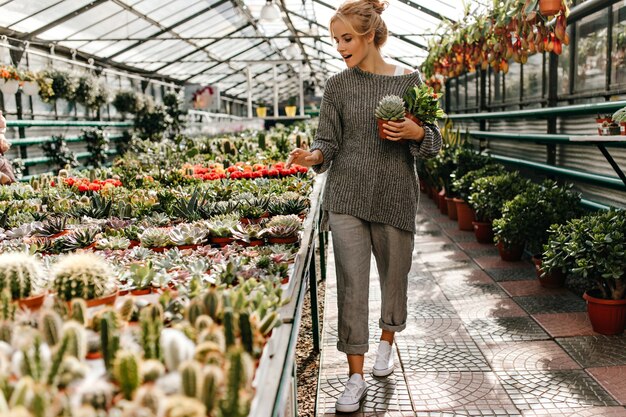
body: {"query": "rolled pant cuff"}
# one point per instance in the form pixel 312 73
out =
pixel 391 328
pixel 352 349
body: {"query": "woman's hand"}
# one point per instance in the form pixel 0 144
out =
pixel 305 158
pixel 406 129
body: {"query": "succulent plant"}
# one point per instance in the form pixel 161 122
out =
pixel 151 324
pixel 21 274
pixel 284 205
pixel 181 406
pixel 127 372
pixel 221 226
pixel 50 324
pixel 283 226
pixel 248 232
pixel 83 275
pixel 154 238
pixel 109 323
pixel 186 234
pixel 52 226
pixel 158 219
pixel 390 108
pixel 80 238
pixel 113 243
pixel 190 378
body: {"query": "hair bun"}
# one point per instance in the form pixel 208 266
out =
pixel 378 5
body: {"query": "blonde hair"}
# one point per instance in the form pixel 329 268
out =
pixel 364 17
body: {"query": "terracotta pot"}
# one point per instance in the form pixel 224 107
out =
pixel 465 215
pixel 443 206
pixel 222 241
pixel 622 128
pixel 107 299
pixel 158 250
pixel 555 279
pixel 451 208
pixel 134 243
pixel 409 116
pixel 143 291
pixel 183 247
pixel 32 303
pixel 257 242
pixel 483 232
pixel 282 240
pixel 512 253
pixel 599 122
pixel 380 123
pixel 607 317
pixel 549 7
pixel 93 355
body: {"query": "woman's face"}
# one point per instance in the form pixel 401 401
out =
pixel 352 47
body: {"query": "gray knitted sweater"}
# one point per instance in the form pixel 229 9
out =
pixel 369 178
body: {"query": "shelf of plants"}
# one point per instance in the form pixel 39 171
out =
pixel 155 287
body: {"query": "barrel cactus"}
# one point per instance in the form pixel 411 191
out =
pixel 21 273
pixel 82 275
pixel 390 108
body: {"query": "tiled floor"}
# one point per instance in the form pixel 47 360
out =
pixel 483 338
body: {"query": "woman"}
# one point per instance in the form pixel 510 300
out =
pixel 371 191
pixel 6 170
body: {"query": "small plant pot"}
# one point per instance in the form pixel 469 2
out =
pixel 443 206
pixel 555 279
pixel 282 240
pixel 600 121
pixel 30 88
pixel 222 241
pixel 417 121
pixel 381 133
pixel 511 253
pixel 106 300
pixel 483 232
pixel 158 250
pixel 142 291
pixel 183 247
pixel 93 355
pixel 10 87
pixel 256 242
pixel 451 208
pixel 134 243
pixel 291 111
pixel 261 111
pixel 465 215
pixel 549 7
pixel 607 317
pixel 32 303
pixel 622 128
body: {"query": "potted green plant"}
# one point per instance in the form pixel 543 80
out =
pixel 63 84
pixel 422 104
pixel 593 248
pixel 127 102
pixel 488 195
pixel 10 79
pixel 619 117
pixel 30 87
pixel 21 274
pixel 261 109
pixel 389 108
pixel 290 107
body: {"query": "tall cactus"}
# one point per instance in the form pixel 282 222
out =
pixel 151 322
pixel 211 384
pixel 77 339
pixel 83 275
pixel 212 304
pixel 229 327
pixel 6 331
pixel 195 310
pixel 127 309
pixel 203 322
pixel 109 337
pixel 245 330
pixel 261 140
pixel 20 273
pixel 78 308
pixel 127 373
pixel 236 401
pixel 190 378
pixel 50 324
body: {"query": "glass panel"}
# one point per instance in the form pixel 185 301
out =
pixel 51 14
pixel 618 56
pixel 85 25
pixel 17 10
pixel 461 92
pixel 533 70
pixel 591 38
pixel 472 97
pixel 495 87
pixel 512 82
pixel 452 92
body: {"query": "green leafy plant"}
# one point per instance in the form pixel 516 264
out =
pixel 462 185
pixel 58 152
pixel 151 122
pixel 423 103
pixel 620 115
pixel 97 145
pixel 490 193
pixel 127 102
pixel 63 85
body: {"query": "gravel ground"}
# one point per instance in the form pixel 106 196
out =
pixel 307 361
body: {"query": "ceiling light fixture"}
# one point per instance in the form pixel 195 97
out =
pixel 270 12
pixel 292 50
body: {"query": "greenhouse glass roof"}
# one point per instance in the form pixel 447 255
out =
pixel 214 41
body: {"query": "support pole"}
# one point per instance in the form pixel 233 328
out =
pixel 249 74
pixel 301 80
pixel 275 68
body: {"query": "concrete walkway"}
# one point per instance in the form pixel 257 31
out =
pixel 482 339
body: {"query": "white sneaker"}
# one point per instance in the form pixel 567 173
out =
pixel 384 364
pixel 354 392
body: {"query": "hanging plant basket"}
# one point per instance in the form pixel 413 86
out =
pixel 549 7
pixel 10 87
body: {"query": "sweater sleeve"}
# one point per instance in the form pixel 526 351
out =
pixel 329 131
pixel 430 146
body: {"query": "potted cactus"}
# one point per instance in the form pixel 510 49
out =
pixel 84 275
pixel 21 274
pixel 390 108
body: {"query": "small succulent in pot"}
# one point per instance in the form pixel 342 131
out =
pixel 283 226
pixel 83 275
pixel 390 108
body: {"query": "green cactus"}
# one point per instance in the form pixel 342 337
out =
pixel 32 364
pixel 6 331
pixel 270 321
pixel 50 324
pixel 152 370
pixel 211 385
pixel 78 308
pixel 195 310
pixel 57 359
pixel 209 352
pixel 212 304
pixel 21 273
pixel 83 275
pixel 181 406
pixel 390 108
pixel 21 392
pixel 203 322
pixel 245 330
pixel 151 323
pixel 7 308
pixel 236 401
pixel 261 140
pixel 77 339
pixel 127 372
pixel 40 402
pixel 229 327
pixel 190 378
pixel 127 309
pixel 109 337
pixel 150 398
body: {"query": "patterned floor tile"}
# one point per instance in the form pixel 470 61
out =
pixel 529 287
pixel 435 330
pixel 612 379
pixel 511 274
pixel 505 329
pixel 496 413
pixel 578 412
pixel 543 355
pixel 467 393
pixel 479 309
pixel 419 356
pixel 469 275
pixel 419 309
pixel 596 351
pixel 461 291
pixel 495 262
pixel 445 255
pixel 424 289
pixel 565 324
pixel 460 235
pixel 562 303
pixel 474 247
pixel 554 390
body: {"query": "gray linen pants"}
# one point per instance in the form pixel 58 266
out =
pixel 354 240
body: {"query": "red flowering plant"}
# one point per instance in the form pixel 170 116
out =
pixel 423 103
pixel 83 185
pixel 241 170
pixel 9 73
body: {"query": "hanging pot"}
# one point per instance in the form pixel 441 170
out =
pixel 30 88
pixel 607 317
pixel 10 87
pixel 549 7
